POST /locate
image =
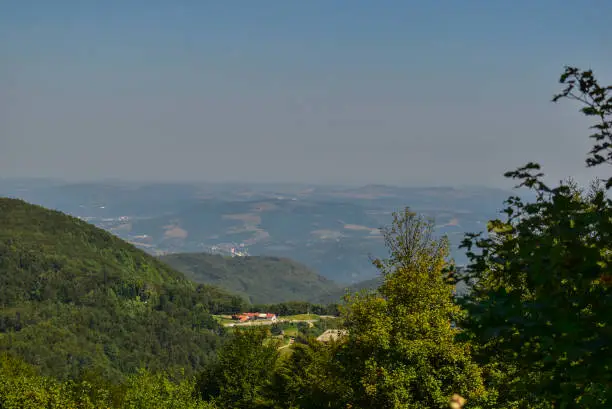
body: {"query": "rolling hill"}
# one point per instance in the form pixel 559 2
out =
pixel 76 299
pixel 260 279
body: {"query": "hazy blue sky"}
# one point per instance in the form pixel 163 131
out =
pixel 408 92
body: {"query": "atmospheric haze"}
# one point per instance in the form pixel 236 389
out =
pixel 401 92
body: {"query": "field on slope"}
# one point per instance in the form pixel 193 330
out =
pixel 260 279
pixel 74 298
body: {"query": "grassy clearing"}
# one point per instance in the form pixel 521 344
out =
pixel 222 319
pixel 300 317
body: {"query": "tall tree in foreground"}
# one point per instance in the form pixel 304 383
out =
pixel 308 378
pixel 541 300
pixel 401 350
pixel 243 371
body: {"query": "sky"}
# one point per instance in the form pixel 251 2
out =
pixel 322 91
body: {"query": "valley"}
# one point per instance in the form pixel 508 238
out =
pixel 334 231
pixel 305 205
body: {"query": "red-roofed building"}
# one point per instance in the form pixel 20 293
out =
pixel 248 316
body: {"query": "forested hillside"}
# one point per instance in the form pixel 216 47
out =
pixel 74 298
pixel 260 279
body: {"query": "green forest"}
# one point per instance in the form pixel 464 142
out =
pixel 89 321
pixel 258 279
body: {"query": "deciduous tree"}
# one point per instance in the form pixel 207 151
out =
pixel 243 370
pixel 541 300
pixel 401 350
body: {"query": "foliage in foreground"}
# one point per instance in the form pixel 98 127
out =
pixel 242 372
pixel 401 349
pixel 541 292
pixel 23 388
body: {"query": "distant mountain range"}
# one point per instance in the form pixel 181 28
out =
pixel 331 230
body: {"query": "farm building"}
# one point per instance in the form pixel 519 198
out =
pixel 248 316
